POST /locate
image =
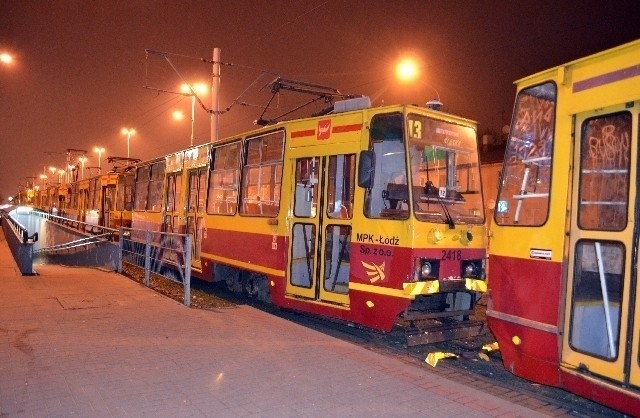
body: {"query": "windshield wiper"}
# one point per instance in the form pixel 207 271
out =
pixel 431 190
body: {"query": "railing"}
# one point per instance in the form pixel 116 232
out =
pixel 163 253
pixel 82 242
pixel 97 230
pixel 20 243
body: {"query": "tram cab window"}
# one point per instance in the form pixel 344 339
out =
pixel 523 198
pixel 388 195
pixel 442 177
pixel 445 171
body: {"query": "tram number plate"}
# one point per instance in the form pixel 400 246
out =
pixel 451 255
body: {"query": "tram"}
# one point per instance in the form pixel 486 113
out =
pixel 563 261
pixel 103 200
pixel 362 214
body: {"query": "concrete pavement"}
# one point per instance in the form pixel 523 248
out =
pixel 85 342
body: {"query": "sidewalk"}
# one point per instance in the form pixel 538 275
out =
pixel 83 342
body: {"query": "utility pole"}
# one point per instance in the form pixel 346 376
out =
pixel 215 95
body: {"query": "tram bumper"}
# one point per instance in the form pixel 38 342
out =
pixel 431 287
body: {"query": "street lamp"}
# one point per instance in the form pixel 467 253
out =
pixel 128 132
pixel 407 70
pixel 6 58
pixel 82 160
pixel 193 90
pixel 99 150
pixel 61 173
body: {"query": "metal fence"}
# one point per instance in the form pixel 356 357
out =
pixel 166 254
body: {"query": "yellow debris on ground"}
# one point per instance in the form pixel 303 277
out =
pixel 491 347
pixel 432 358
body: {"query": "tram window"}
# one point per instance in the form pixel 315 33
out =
pixel 305 199
pixel 142 188
pixel 174 188
pixel 124 188
pixel 597 297
pixel 155 187
pixel 342 173
pixel 223 180
pixel 523 198
pixel 445 171
pixel 605 158
pixel 387 143
pixel 125 192
pixel 262 175
pixel 109 198
pixel 337 258
pixel 197 190
pixel 303 254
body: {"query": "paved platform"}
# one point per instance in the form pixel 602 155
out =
pixel 85 342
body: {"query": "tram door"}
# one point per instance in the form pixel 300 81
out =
pixel 196 195
pixel 319 248
pixel 108 206
pixel 599 336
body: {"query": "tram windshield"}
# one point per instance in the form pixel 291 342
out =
pixel 445 173
pixel 441 171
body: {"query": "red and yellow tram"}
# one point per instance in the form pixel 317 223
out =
pixel 366 214
pixel 563 265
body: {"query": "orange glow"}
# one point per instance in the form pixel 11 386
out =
pixel 407 69
pixel 198 88
pixel 178 115
pixel 6 58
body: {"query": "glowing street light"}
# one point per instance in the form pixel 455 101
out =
pixel 6 58
pixel 128 132
pixel 407 70
pixel 82 160
pixel 99 150
pixel 193 90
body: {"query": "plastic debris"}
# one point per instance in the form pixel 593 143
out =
pixel 483 356
pixel 432 358
pixel 491 347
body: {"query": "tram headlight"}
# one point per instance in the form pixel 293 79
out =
pixel 472 269
pixel 426 269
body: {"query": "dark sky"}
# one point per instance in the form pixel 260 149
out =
pixel 81 65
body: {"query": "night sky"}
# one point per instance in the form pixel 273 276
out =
pixel 81 69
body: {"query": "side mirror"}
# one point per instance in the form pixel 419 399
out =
pixel 365 169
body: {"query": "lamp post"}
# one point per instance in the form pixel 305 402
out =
pixel 82 160
pixel 128 132
pixel 99 150
pixel 193 90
